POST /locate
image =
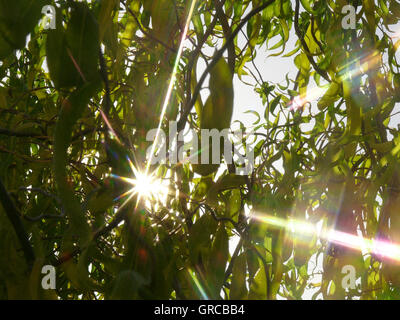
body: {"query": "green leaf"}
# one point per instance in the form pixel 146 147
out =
pixel 17 19
pixel 307 5
pixel 274 103
pixel 330 96
pixel 238 290
pixel 72 54
pixel 258 288
pixel 218 260
pixel 105 19
pixel 127 285
pixel 199 242
pixel 229 181
pixel 71 111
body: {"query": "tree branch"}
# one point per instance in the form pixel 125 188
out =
pixel 14 217
pixel 148 34
pixel 12 133
pixel 321 72
pixel 227 33
pixel 217 56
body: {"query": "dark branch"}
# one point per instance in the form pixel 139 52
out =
pixel 217 56
pixel 321 72
pixel 148 34
pixel 14 217
pixel 12 133
pixel 227 33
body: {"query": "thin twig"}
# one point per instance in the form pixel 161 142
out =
pixel 321 72
pixel 217 56
pixel 148 34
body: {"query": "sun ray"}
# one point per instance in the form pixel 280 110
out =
pixel 381 248
pixel 198 285
pixel 354 68
pixel 123 195
pixel 171 82
pixel 145 184
pixel 132 194
pixel 109 125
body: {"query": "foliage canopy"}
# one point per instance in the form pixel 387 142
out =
pixel 76 103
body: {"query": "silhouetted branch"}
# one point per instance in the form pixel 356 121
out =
pixel 217 56
pixel 321 72
pixel 14 216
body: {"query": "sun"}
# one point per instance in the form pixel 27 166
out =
pixel 145 185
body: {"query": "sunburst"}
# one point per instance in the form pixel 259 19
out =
pixel 146 186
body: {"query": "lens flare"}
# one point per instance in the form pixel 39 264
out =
pixel 352 69
pixel 199 287
pixel 377 247
pixel 145 186
pixel 311 95
pixel 171 82
pixel 109 125
pixel 361 65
